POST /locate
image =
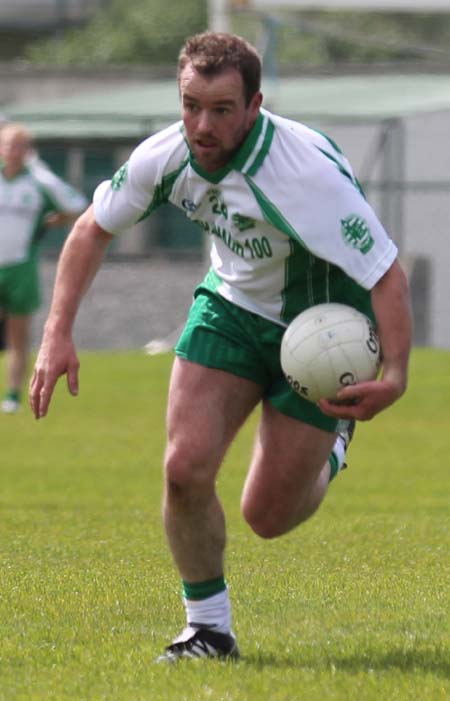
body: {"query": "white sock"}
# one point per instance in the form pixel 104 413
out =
pixel 337 456
pixel 215 611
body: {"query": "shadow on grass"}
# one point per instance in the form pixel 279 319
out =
pixel 429 660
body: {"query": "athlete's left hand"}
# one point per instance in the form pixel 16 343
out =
pixel 362 401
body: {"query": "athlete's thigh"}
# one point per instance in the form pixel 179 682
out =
pixel 206 408
pixel 287 460
pixel 18 331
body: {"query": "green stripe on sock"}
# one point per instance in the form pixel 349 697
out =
pixel 334 465
pixel 203 590
pixel 13 394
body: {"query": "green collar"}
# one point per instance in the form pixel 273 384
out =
pixel 249 156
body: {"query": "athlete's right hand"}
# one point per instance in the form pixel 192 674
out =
pixel 56 357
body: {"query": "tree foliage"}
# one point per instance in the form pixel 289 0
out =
pixel 321 37
pixel 135 31
pixel 152 31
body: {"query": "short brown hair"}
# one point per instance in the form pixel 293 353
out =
pixel 211 53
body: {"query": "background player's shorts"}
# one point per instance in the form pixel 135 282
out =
pixel 220 335
pixel 19 288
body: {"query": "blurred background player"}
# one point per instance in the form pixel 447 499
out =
pixel 32 199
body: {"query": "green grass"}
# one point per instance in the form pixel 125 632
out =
pixel 353 605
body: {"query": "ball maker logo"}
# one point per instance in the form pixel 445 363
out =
pixel 356 233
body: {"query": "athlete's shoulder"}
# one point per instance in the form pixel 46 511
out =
pixel 61 194
pixel 302 151
pixel 286 125
pixel 161 154
pixel 300 136
pixel 32 180
pixel 37 172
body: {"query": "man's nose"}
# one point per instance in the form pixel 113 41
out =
pixel 204 123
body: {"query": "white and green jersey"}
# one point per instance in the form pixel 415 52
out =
pixel 25 200
pixel 288 224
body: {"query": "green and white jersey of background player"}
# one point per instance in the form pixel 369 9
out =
pixel 288 224
pixel 25 200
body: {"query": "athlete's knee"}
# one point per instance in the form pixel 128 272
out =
pixel 186 467
pixel 264 520
pixel 269 526
pixel 276 518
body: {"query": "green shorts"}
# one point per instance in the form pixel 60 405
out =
pixel 220 335
pixel 19 288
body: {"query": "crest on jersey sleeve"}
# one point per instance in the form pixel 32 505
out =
pixel 356 233
pixel 120 177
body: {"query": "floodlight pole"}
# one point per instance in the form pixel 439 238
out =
pixel 61 14
pixel 393 181
pixel 218 17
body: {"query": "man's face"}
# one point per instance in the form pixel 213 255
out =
pixel 13 150
pixel 215 115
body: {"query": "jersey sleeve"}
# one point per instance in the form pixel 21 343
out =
pixel 319 200
pixel 344 230
pixel 61 196
pixel 138 186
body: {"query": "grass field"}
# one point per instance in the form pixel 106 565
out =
pixel 353 605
